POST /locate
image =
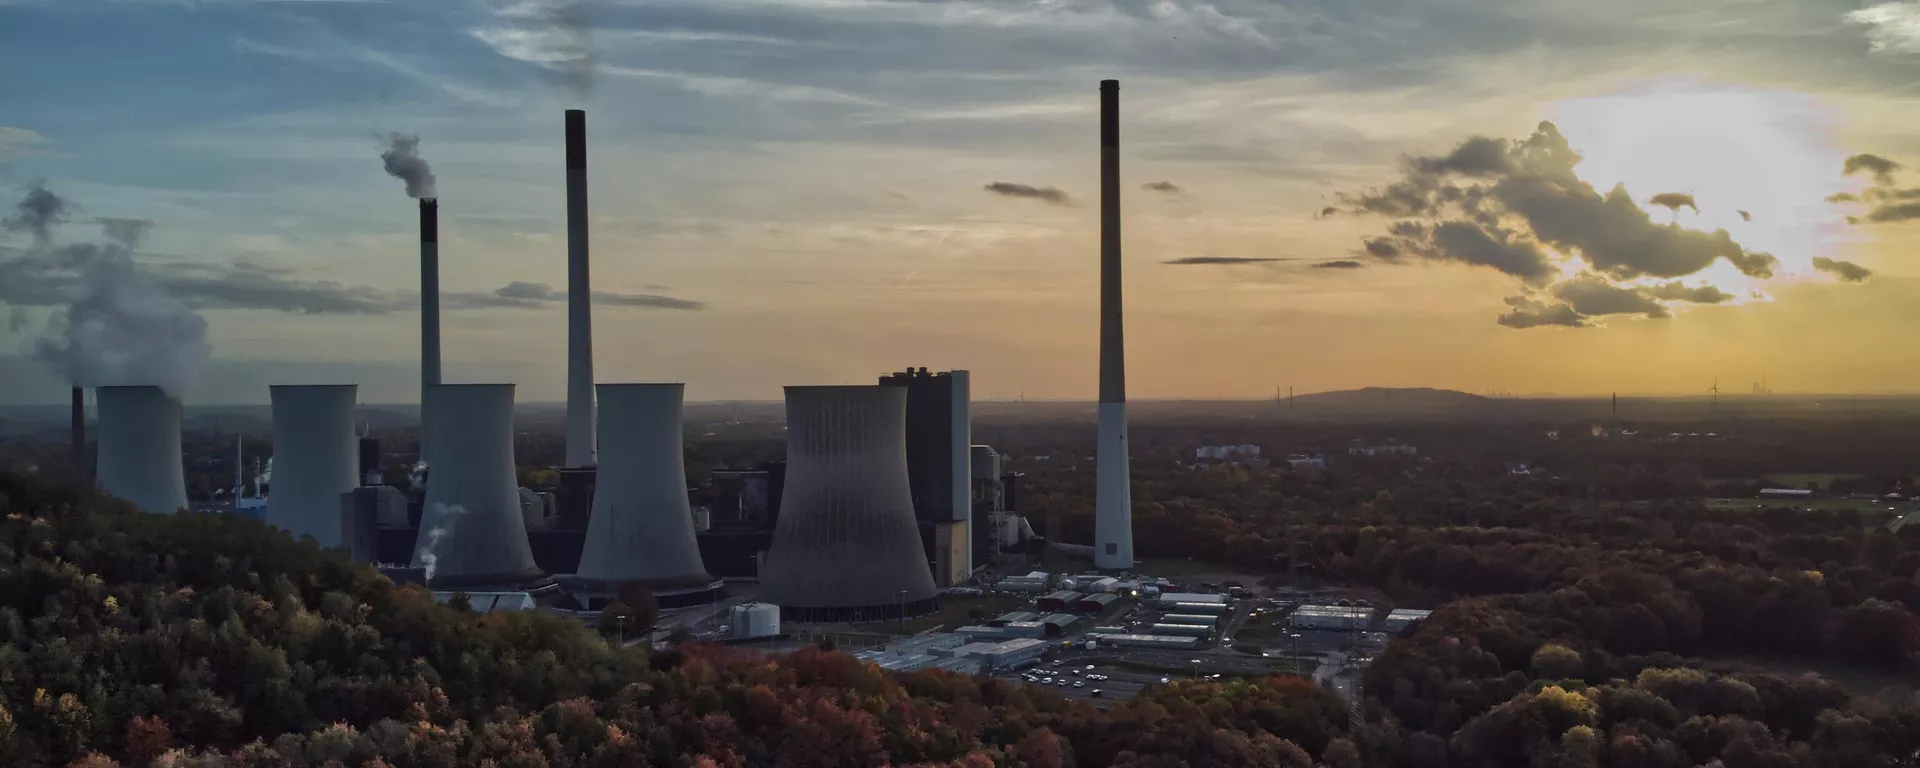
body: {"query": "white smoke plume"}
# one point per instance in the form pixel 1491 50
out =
pixel 122 327
pixel 403 161
pixel 449 514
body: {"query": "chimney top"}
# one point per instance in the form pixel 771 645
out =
pixel 1109 85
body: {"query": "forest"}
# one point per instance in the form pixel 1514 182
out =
pixel 1604 618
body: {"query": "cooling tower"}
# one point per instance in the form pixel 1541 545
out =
pixel 846 547
pixel 429 309
pixel 471 534
pixel 580 444
pixel 642 526
pixel 316 458
pixel 140 448
pixel 1113 494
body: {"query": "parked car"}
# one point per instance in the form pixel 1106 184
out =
pixel 1095 693
pixel 1079 684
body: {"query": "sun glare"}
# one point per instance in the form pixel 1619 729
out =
pixel 1772 154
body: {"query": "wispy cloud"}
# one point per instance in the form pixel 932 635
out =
pixel 555 34
pixel 17 142
pixel 321 44
pixel 1891 27
pixel 740 87
pixel 1011 189
pixel 1194 260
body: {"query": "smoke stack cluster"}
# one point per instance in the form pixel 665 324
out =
pixel 580 443
pixel 1113 494
pixel 140 448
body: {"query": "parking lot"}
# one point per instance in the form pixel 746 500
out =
pixel 1118 685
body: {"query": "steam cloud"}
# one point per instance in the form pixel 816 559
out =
pixel 1339 264
pixel 449 514
pixel 1519 208
pixel 1010 189
pixel 521 294
pixel 1847 271
pixel 121 325
pixel 402 160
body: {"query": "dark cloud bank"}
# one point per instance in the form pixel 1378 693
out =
pixel 1198 260
pixel 1890 202
pixel 1048 194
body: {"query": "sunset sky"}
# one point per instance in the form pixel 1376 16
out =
pixel 819 191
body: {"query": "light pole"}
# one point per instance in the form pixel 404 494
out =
pixel 1196 669
pixel 903 611
pixel 1296 651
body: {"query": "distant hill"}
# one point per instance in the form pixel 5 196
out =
pixel 1392 398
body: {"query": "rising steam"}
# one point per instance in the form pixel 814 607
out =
pixel 403 162
pixel 122 327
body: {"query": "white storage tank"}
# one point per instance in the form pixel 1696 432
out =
pixel 751 620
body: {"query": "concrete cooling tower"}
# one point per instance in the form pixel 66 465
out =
pixel 642 526
pixel 316 459
pixel 139 446
pixel 471 534
pixel 846 547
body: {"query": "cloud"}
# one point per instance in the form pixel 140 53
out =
pixel 1890 213
pixel 524 295
pixel 1847 271
pixel 1161 186
pixel 15 142
pixel 38 213
pixel 1744 216
pixel 1881 167
pixel 1674 201
pixel 1592 295
pixel 1518 206
pixel 1532 313
pixel 555 34
pixel 1891 27
pixel 1339 264
pixel 1190 260
pixel 1678 291
pixel 1010 189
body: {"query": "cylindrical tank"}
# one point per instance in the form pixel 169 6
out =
pixel 642 527
pixel 846 547
pixel 316 458
pixel 471 531
pixel 750 620
pixel 139 446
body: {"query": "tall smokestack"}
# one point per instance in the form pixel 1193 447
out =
pixel 429 310
pixel 79 449
pixel 1113 495
pixel 579 299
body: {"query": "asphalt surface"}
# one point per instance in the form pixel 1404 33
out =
pixel 1123 683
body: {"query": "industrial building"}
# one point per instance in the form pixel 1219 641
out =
pixel 1189 618
pixel 1332 617
pixel 1001 535
pixel 1196 608
pixel 1095 604
pixel 1036 581
pixel 846 547
pixel 939 438
pixel 1170 598
pixel 1182 630
pixel 1059 601
pixel 1008 618
pixel 490 602
pixel 139 448
pixel 1150 641
pixel 1401 618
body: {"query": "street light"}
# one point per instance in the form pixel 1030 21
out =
pixel 1296 651
pixel 1196 669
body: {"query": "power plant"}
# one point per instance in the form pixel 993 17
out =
pixel 845 547
pixel 1113 491
pixel 881 501
pixel 470 527
pixel 642 525
pixel 317 459
pixel 140 448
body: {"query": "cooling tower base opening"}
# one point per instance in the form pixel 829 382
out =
pixel 674 594
pixel 504 582
pixel 858 614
